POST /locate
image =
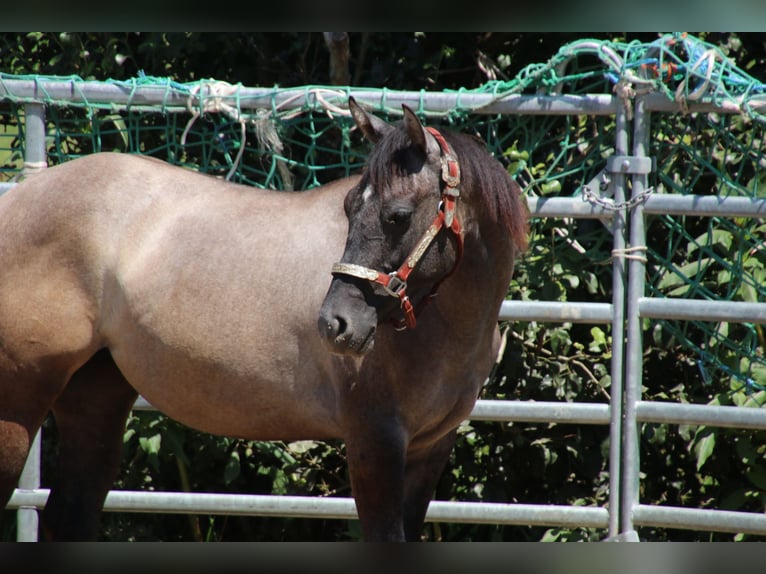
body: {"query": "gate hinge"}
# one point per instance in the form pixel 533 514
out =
pixel 630 164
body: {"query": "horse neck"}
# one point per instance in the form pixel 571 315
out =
pixel 480 282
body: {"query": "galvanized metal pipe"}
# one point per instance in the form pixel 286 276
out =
pixel 702 310
pixel 709 415
pixel 329 508
pixel 599 413
pixel 699 519
pixel 542 411
pixel 35 152
pixel 705 205
pixel 619 284
pixel 512 411
pixel 566 207
pixel 439 510
pixel 556 311
pixel 178 98
pixel 633 344
pixel 658 102
pixel 27 519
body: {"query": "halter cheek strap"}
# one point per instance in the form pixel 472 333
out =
pixel 395 283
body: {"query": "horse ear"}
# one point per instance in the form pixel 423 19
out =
pixel 372 127
pixel 417 132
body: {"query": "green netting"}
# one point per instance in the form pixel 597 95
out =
pixel 287 145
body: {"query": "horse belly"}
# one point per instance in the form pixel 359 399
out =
pixel 222 354
pixel 264 394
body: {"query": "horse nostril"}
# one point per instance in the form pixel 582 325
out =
pixel 333 327
pixel 339 326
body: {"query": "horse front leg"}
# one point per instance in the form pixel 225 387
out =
pixel 425 467
pixel 376 463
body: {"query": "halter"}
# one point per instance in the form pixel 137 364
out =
pixel 395 283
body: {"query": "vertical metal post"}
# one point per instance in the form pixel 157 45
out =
pixel 27 517
pixel 35 154
pixel 618 330
pixel 634 346
pixel 35 158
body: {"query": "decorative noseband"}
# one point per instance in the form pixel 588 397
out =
pixel 395 283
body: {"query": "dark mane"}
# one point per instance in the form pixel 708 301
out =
pixel 493 188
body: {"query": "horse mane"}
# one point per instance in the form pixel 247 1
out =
pixel 494 189
pixel 495 192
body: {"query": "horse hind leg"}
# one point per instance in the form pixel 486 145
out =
pixel 26 397
pixel 90 418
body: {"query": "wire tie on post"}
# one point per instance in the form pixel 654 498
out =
pixel 631 253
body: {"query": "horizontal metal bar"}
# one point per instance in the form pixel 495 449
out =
pixel 705 205
pixel 556 311
pixel 712 415
pixel 658 102
pixel 567 207
pixel 543 411
pixel 656 204
pixel 205 503
pixel 439 511
pixel 442 102
pixel 701 310
pixel 176 97
pixel 598 413
pixel 513 411
pixel 523 514
pixel 326 507
pixel 699 519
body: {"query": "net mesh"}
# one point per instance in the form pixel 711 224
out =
pixel 307 139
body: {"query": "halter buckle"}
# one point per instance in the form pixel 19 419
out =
pixel 395 285
pixel 450 174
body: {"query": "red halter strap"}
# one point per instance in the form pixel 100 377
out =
pixel 395 283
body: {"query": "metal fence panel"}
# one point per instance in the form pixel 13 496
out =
pixel 628 306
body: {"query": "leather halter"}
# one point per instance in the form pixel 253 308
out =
pixel 395 283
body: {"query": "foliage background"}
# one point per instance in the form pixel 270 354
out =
pixel 530 463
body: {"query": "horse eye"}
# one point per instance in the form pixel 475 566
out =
pixel 398 217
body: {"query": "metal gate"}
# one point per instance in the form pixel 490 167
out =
pixel 625 214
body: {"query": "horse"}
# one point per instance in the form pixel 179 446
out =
pixel 364 310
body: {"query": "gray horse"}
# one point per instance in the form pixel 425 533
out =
pixel 238 312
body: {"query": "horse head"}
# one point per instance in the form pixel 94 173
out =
pixel 404 232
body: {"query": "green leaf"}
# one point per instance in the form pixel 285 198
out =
pixel 281 482
pixel 720 237
pixel 704 447
pixel 151 445
pixel 550 187
pixel 232 469
pixel 599 340
pixel 175 437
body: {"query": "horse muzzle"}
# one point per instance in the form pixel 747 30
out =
pixel 347 323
